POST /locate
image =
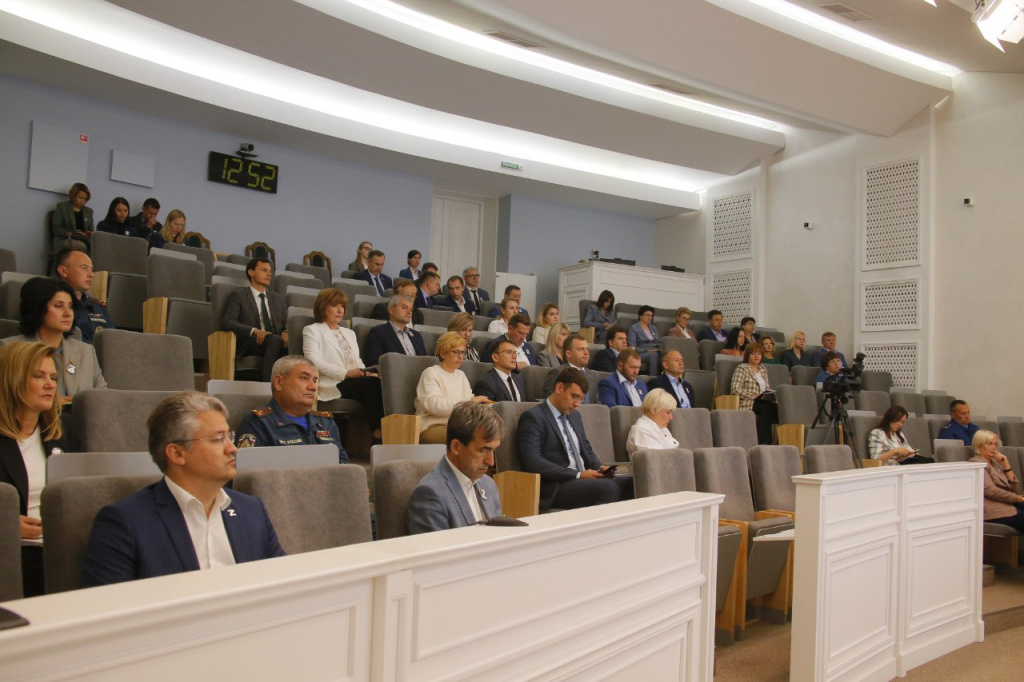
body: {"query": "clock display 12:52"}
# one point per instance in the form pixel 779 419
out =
pixel 240 172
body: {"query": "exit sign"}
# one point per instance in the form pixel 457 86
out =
pixel 511 166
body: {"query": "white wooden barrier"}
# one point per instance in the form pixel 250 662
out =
pixel 619 592
pixel 887 569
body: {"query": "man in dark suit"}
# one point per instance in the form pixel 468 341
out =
pixel 607 359
pixel 145 223
pixel 518 329
pixel 428 286
pixel 186 521
pixel 456 300
pixel 395 335
pixel 474 293
pixel 713 332
pixel 514 293
pixel 552 443
pixel 373 274
pixel 458 492
pixel 828 345
pixel 576 350
pixel 403 287
pixel 622 388
pixel 258 317
pixel 502 382
pixel 671 379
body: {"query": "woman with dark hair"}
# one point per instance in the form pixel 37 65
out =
pixel 30 430
pixel 412 270
pixel 750 383
pixel 831 363
pixel 1003 501
pixel 601 316
pixel 644 337
pixel 47 316
pixel 72 220
pixel 116 221
pixel 735 342
pixel 886 441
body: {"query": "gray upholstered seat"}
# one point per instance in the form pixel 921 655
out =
pixel 708 349
pixel 153 362
pixel 61 465
pixel 506 457
pixel 10 544
pixel 703 382
pixel 534 377
pixel 241 404
pixel 911 402
pixel 437 318
pixel 218 387
pixel 474 371
pixel 8 261
pixel 954 453
pixel 772 468
pixel 10 300
pixel 296 323
pixel 802 375
pixel 313 508
pixel 622 420
pixel 660 472
pixel 321 274
pixel 734 427
pixel 230 271
pixel 109 420
pixel 183 284
pixel 237 259
pixel 204 256
pixel 1012 433
pixel 778 375
pixel 393 453
pixel 283 280
pixel 597 424
pixel 937 404
pixel 874 380
pixel 689 349
pixel 692 428
pixel 353 287
pixel 725 367
pixel 822 458
pixel 875 401
pixel 393 483
pixel 399 375
pixel 916 432
pixel 298 297
pixel 117 253
pixel 286 457
pixel 862 426
pixel 797 404
pixel 362 329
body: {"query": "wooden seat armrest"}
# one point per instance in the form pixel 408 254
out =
pixel 727 402
pixel 221 348
pixel 100 285
pixel 400 429
pixel 154 315
pixel 519 492
pixel 774 514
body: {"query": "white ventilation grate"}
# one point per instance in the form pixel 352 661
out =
pixel 731 227
pixel 899 359
pixel 848 13
pixel 514 39
pixel 892 215
pixel 890 305
pixel 730 293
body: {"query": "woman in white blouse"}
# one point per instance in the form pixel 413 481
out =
pixel 442 387
pixel 332 348
pixel 508 308
pixel 650 432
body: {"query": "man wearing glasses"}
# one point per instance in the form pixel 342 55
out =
pixel 186 521
pixel 473 291
pixel 289 418
pixel 502 382
pixel 518 329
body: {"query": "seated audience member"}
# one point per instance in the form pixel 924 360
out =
pixel 289 419
pixel 516 294
pixel 607 359
pixel 644 337
pixel 172 231
pixel 650 432
pixel 1003 501
pixel 750 383
pixel 431 267
pixel 458 492
pixel 960 426
pixel 186 521
pixel 116 221
pixel 47 316
pixel 794 355
pixel 502 382
pixel 30 430
pixel 412 270
pixel 509 308
pixel 549 315
pixel 735 342
pixel 427 287
pixel 553 443
pixel 334 352
pixel 576 351
pixel 830 366
pixel 601 316
pixel 886 441
pixel 456 298
pixel 394 336
pixel 748 325
pixel 144 222
pixel 72 220
pixel 374 275
pixel 401 287
pixel 463 324
pixel 553 354
pixel 257 316
pixel 671 379
pixel 622 387
pixel 681 329
pixel 828 345
pixel 362 261
pixel 768 346
pixel 441 388
pixel 74 268
pixel 518 328
pixel 474 293
pixel 713 331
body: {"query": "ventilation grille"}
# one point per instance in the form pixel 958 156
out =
pixel 848 13
pixel 515 40
pixel 890 305
pixel 891 213
pixel 675 90
pixel 730 293
pixel 731 227
pixel 899 359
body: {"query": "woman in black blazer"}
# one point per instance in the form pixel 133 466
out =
pixel 30 430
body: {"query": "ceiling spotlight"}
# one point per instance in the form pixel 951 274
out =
pixel 1000 20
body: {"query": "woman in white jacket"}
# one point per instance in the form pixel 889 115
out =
pixel 650 432
pixel 332 348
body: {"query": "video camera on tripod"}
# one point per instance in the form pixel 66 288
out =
pixel 840 387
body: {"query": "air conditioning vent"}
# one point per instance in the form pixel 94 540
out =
pixel 515 40
pixel 672 88
pixel 848 13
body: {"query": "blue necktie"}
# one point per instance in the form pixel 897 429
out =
pixel 380 288
pixel 569 443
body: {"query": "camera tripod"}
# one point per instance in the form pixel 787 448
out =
pixel 837 416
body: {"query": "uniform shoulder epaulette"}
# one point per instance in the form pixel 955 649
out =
pixel 263 411
pixel 321 414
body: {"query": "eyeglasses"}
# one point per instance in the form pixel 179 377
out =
pixel 219 439
pixel 458 353
pixel 507 351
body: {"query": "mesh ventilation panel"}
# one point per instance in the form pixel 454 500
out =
pixel 892 215
pixel 899 359
pixel 890 305
pixel 730 293
pixel 731 227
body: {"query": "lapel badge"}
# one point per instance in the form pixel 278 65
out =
pixel 71 368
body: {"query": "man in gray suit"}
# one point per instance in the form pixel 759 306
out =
pixel 258 317
pixel 458 492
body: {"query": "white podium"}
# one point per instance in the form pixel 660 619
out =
pixel 630 284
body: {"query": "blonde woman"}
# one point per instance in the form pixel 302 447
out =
pixel 553 354
pixel 362 260
pixel 549 315
pixel 1003 501
pixel 509 307
pixel 172 231
pixel 463 324
pixel 650 432
pixel 794 354
pixel 442 387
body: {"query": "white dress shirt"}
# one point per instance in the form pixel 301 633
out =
pixel 34 455
pixel 499 325
pixel 209 537
pixel 630 387
pixel 256 293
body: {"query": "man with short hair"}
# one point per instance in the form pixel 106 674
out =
pixel 373 274
pixel 458 492
pixel 516 294
pixel 828 345
pixel 394 336
pixel 401 287
pixel 607 359
pixel 671 379
pixel 75 268
pixel 456 300
pixel 431 267
pixel 518 329
pixel 428 286
pixel 576 350
pixel 622 388
pixel 145 223
pixel 502 382
pixel 960 426
pixel 713 332
pixel 289 419
pixel 473 291
pixel 553 443
pixel 186 521
pixel 258 317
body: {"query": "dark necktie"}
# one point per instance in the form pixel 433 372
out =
pixel 268 324
pixel 512 390
pixel 376 283
pixel 573 453
pixel 476 298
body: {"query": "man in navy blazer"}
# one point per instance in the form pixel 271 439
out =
pixel 427 287
pixel 458 492
pixel 713 332
pixel 474 293
pixel 384 338
pixel 553 443
pixel 373 274
pixel 518 329
pixel 456 298
pixel 622 388
pixel 495 384
pixel 186 521
pixel 671 379
pixel 607 359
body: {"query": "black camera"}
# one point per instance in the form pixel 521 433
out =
pixel 841 386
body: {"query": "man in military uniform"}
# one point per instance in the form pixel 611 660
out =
pixel 75 268
pixel 287 419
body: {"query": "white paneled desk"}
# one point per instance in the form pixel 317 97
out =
pixel 630 284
